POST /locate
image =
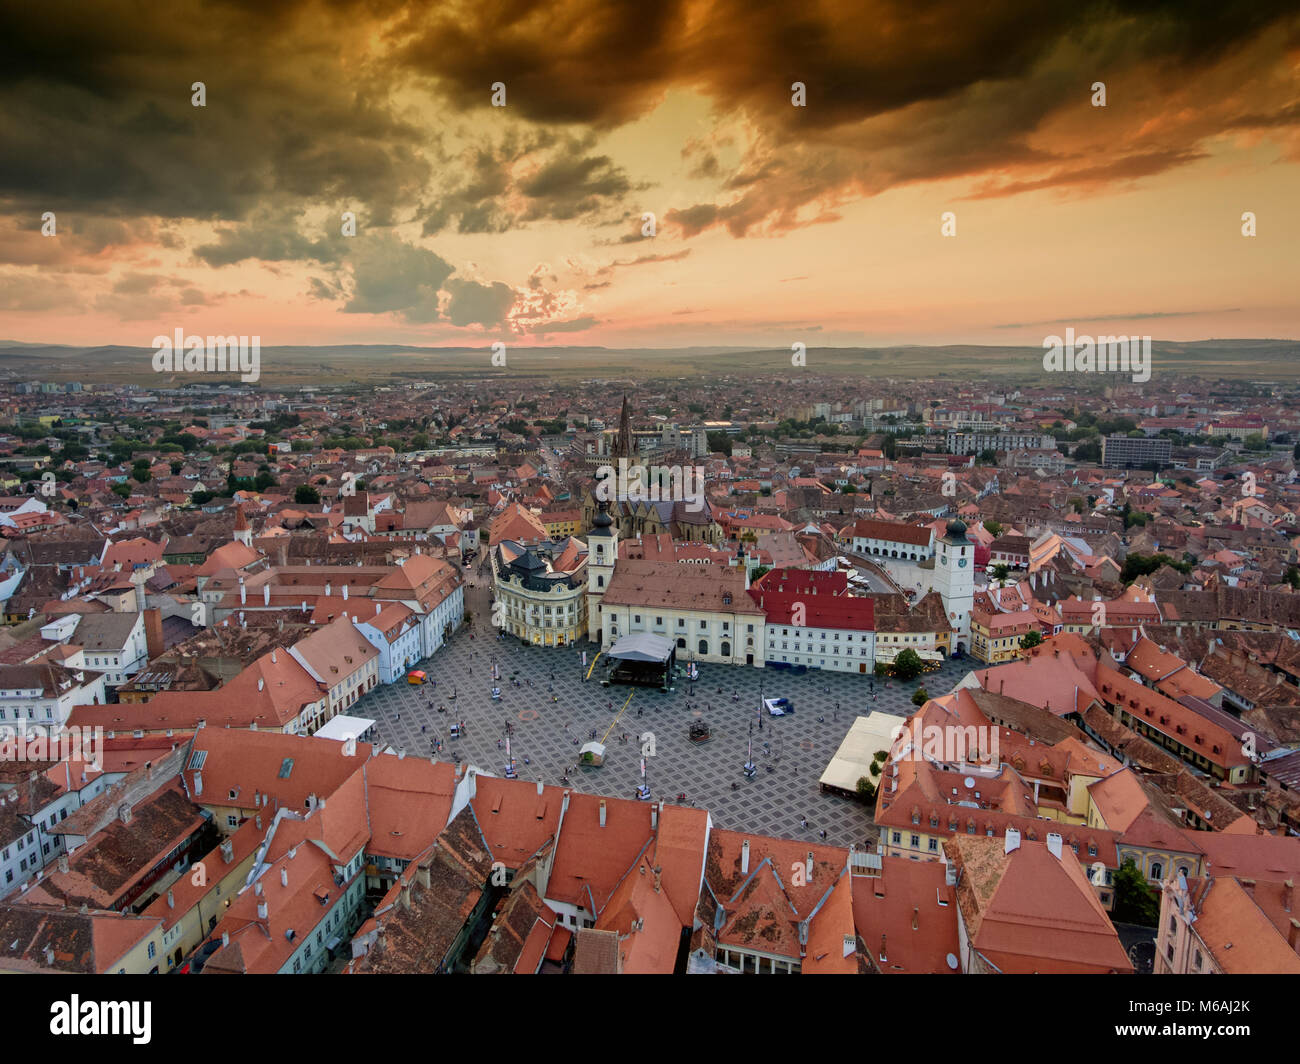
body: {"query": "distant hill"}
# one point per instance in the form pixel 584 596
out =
pixel 373 363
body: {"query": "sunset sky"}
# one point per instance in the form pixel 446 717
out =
pixel 523 223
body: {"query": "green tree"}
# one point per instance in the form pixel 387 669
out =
pixel 908 665
pixel 719 441
pixel 866 789
pixel 920 697
pixel 306 495
pixel 993 528
pixel 1134 902
pixel 1031 639
pixel 1001 571
pixel 1136 565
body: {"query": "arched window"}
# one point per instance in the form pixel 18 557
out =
pixel 1157 870
pixel 726 650
pixel 704 646
pixel 681 644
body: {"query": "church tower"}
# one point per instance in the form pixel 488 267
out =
pixel 243 531
pixel 954 579
pixel 623 441
pixel 602 553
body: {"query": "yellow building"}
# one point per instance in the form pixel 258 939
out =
pixel 560 523
pixel 995 637
pixel 191 907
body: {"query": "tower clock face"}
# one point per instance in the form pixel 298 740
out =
pixel 943 559
pixel 961 562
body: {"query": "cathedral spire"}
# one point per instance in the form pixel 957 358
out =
pixel 623 441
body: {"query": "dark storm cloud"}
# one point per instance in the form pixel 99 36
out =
pixel 271 236
pixel 344 102
pixel 473 303
pixel 895 92
pixel 523 179
pixel 594 62
pixel 390 276
pixel 96 114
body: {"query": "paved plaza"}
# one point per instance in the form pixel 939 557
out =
pixel 790 752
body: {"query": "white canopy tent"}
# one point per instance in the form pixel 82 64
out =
pixel 852 760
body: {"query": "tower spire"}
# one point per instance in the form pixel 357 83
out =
pixel 623 442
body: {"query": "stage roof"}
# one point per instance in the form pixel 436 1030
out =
pixel 642 646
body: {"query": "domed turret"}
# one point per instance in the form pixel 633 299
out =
pixel 957 529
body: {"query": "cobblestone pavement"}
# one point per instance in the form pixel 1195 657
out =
pixel 791 752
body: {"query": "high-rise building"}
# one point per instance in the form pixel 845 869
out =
pixel 1121 452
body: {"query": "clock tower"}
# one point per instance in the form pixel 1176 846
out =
pixel 954 579
pixel 602 554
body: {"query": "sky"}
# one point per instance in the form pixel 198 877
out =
pixel 527 223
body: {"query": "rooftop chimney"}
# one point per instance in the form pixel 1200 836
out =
pixel 659 878
pixel 198 783
pixel 63 863
pixel 808 867
pixel 227 851
pixel 327 589
pixel 266 594
pixel 1054 844
pixel 1012 840
pixel 541 787
pixel 916 917
pixel 602 812
pixel 171 900
pixel 1288 894
pixel 345 592
pixel 225 938
pixel 262 910
pixel 284 877
pixel 744 858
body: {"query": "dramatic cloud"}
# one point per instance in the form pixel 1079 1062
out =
pixel 390 276
pixel 682 108
pixel 478 304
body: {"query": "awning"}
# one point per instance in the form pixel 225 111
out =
pixel 853 759
pixel 343 727
pixel 642 646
